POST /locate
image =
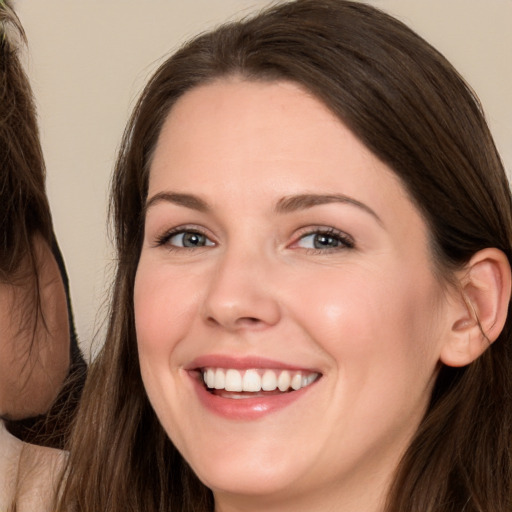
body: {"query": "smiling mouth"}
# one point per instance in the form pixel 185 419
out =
pixel 234 383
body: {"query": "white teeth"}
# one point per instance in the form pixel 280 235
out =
pixel 296 381
pixel 233 381
pixel 254 380
pixel 251 381
pixel 283 382
pixel 269 381
pixel 210 378
pixel 220 379
pixel 310 379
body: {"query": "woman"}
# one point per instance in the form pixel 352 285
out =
pixel 311 305
pixel 37 339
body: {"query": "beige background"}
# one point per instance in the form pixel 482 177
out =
pixel 89 59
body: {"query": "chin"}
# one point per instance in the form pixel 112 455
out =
pixel 249 481
pixel 247 471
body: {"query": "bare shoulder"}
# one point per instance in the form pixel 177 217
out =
pixel 39 472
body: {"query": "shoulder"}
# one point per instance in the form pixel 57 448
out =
pixel 39 473
pixel 10 450
pixel 29 475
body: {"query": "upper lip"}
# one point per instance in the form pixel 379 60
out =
pixel 243 363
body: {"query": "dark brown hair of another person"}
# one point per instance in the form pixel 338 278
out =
pixel 24 208
pixel 25 211
pixel 409 106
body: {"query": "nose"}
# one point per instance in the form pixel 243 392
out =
pixel 241 293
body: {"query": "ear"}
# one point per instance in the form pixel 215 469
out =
pixel 480 307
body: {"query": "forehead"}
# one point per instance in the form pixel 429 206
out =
pixel 233 137
pixel 234 119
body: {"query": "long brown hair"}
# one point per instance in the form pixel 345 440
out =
pixel 409 106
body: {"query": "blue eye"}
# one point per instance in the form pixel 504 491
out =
pixel 186 239
pixel 325 240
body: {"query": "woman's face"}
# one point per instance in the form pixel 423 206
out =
pixel 279 251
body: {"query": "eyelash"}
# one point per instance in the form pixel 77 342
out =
pixel 163 240
pixel 344 240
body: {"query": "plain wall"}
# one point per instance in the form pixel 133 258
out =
pixel 88 60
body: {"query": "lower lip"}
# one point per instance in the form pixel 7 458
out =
pixel 245 408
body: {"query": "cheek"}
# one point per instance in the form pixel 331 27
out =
pixel 162 316
pixel 383 319
pixel 164 306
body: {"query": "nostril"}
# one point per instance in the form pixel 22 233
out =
pixel 212 320
pixel 238 323
pixel 248 320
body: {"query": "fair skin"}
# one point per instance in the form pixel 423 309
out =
pixel 275 241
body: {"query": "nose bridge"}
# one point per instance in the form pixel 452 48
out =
pixel 240 293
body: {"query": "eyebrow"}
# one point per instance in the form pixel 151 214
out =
pixel 303 201
pixel 186 200
pixel 286 204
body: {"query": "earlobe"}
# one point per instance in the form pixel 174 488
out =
pixel 480 308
